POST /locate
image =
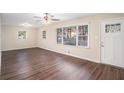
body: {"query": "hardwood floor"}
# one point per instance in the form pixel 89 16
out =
pixel 39 64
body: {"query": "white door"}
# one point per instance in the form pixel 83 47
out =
pixel 112 42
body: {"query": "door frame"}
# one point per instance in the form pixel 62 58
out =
pixel 100 33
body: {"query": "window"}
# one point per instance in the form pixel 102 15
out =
pixel 74 35
pixel 21 34
pixel 44 34
pixel 59 36
pixel 83 35
pixel 69 35
pixel 112 28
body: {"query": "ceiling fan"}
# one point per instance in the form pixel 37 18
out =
pixel 47 18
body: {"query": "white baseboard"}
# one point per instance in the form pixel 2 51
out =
pixel 72 55
pixel 18 48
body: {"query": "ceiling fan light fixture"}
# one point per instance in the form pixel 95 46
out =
pixel 47 19
pixel 46 22
pixel 26 24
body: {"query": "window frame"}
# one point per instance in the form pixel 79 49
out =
pixel 88 35
pixel 21 38
pixel 61 36
pixel 77 35
pixel 44 34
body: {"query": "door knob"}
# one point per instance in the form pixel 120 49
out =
pixel 102 44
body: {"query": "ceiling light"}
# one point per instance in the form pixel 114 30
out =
pixel 48 21
pixel 26 24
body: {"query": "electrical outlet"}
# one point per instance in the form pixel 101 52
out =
pixel 67 51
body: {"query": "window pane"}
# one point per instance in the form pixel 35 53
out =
pixel 83 35
pixel 82 41
pixel 59 36
pixel 44 34
pixel 59 39
pixel 83 30
pixel 59 32
pixel 69 36
pixel 21 34
pixel 112 28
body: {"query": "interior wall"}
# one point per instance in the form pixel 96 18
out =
pixel 0 43
pixel 92 53
pixel 11 42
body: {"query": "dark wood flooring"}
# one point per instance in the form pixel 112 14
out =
pixel 39 64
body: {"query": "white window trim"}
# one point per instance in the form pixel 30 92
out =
pixel 76 25
pixel 57 36
pixel 76 36
pixel 88 41
pixel 22 31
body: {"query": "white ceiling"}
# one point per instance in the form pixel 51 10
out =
pixel 20 18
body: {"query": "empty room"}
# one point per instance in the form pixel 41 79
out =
pixel 62 46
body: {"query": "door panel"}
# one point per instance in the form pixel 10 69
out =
pixel 112 48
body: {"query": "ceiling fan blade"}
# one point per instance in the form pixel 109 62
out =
pixel 46 14
pixel 55 19
pixel 38 20
pixel 52 15
pixel 37 17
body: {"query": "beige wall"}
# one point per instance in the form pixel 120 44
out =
pixel 10 41
pixel 92 53
pixel 0 43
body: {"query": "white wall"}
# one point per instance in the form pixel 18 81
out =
pixel 92 53
pixel 0 43
pixel 10 40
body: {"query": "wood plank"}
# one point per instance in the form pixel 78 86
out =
pixel 40 64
